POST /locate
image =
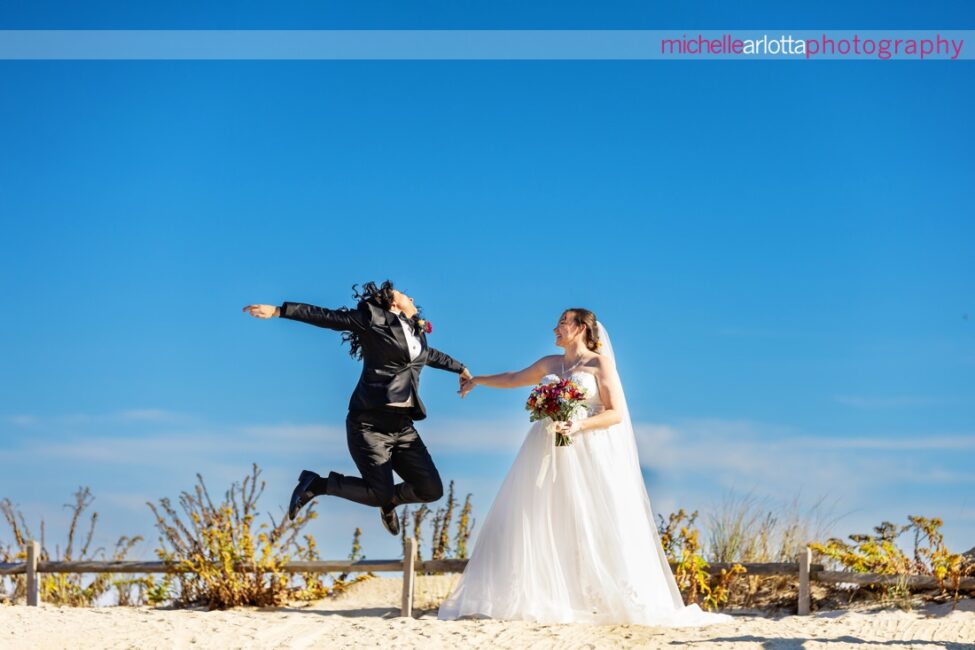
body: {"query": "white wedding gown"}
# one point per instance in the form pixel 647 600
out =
pixel 571 537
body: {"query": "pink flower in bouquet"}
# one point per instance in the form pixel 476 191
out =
pixel 556 399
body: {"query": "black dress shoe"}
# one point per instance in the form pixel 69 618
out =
pixel 390 520
pixel 302 494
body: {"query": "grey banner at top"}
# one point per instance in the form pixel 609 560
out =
pixel 767 44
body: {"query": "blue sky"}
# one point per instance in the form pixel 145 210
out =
pixel 781 252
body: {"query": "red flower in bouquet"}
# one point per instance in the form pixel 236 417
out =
pixel 557 400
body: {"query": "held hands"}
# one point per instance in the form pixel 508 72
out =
pixel 262 311
pixel 467 383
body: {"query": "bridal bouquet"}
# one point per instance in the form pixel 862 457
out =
pixel 556 399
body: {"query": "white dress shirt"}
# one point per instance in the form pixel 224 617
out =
pixel 414 345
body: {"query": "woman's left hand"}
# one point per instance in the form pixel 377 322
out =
pixel 466 385
pixel 568 428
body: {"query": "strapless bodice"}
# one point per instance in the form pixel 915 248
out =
pixel 587 381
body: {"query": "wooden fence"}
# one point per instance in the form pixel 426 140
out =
pixel 410 565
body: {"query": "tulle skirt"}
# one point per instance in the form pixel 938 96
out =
pixel 571 538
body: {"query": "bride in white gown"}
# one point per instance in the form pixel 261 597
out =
pixel 571 536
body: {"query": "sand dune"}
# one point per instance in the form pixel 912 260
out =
pixel 367 618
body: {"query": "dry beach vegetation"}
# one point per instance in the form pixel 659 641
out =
pixel 232 592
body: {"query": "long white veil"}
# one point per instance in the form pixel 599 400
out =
pixel 582 547
pixel 630 467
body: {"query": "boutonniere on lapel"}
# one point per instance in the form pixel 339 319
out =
pixel 425 325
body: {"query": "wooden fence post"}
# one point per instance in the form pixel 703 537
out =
pixel 33 585
pixel 804 559
pixel 409 572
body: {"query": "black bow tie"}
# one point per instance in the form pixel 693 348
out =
pixel 412 322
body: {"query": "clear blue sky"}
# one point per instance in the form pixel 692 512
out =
pixel 782 252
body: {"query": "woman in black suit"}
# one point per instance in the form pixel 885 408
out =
pixel 385 332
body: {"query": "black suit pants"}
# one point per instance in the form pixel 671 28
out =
pixel 381 442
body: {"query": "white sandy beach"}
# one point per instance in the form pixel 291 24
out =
pixel 367 617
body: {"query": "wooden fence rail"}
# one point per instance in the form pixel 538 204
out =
pixel 410 565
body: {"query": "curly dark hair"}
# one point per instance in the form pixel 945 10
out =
pixel 379 295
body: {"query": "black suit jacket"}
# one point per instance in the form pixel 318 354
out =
pixel 388 374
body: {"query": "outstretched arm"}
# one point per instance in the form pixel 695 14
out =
pixel 527 377
pixel 343 320
pixel 441 361
pixel 437 359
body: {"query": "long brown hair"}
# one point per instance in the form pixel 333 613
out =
pixel 587 319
